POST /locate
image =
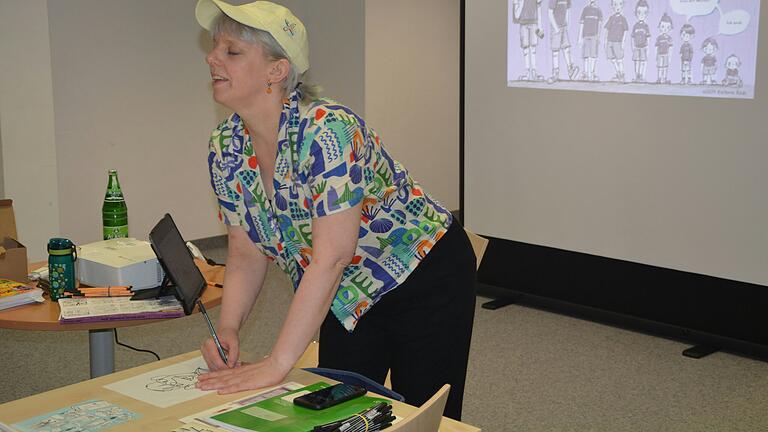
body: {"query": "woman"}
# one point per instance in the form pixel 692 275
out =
pixel 378 266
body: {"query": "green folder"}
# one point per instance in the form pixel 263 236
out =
pixel 278 415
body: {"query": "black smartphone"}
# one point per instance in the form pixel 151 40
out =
pixel 329 396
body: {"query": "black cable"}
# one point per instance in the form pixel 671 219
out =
pixel 135 349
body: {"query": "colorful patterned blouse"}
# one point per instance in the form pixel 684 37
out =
pixel 327 161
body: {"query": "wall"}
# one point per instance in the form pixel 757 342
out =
pixel 337 37
pixel 412 88
pixel 2 179
pixel 131 93
pixel 27 122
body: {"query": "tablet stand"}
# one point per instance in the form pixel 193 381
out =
pixel 164 289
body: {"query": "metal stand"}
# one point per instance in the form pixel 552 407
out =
pixel 499 303
pixel 102 350
pixel 699 351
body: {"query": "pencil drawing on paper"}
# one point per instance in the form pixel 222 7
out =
pixel 165 386
pixel 173 382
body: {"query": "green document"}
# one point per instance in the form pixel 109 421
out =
pixel 278 415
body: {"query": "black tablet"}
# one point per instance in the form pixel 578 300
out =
pixel 178 263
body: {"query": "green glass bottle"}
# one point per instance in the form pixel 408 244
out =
pixel 114 212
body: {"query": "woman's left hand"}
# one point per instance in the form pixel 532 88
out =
pixel 247 376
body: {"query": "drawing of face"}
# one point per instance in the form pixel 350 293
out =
pixel 709 49
pixel 641 13
pixel 686 36
pixel 665 27
pixel 617 6
pixel 733 62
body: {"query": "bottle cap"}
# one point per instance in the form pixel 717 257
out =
pixel 60 246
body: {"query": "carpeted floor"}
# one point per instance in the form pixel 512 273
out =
pixel 530 370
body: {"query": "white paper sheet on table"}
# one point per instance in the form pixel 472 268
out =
pixel 5 428
pixel 88 416
pixel 166 386
pixel 198 427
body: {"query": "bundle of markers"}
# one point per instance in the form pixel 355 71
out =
pixel 108 291
pixel 373 419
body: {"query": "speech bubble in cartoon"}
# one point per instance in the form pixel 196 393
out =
pixel 692 8
pixel 733 22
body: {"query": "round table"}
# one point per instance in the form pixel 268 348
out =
pixel 45 316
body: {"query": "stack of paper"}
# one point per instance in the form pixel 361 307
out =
pixel 14 294
pixel 84 309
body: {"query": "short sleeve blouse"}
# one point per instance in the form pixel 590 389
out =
pixel 328 161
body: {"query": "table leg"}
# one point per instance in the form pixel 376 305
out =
pixel 102 347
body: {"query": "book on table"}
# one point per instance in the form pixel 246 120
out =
pixel 14 294
pixel 89 309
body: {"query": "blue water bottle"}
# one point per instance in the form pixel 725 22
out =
pixel 61 267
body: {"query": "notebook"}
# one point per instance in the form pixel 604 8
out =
pixel 85 309
pixel 14 294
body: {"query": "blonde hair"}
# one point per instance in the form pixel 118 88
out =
pixel 226 25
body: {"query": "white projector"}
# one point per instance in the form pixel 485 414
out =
pixel 121 261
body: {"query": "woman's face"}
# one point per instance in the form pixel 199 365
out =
pixel 239 71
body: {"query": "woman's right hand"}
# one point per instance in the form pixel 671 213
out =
pixel 231 344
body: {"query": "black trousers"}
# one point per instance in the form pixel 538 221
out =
pixel 421 330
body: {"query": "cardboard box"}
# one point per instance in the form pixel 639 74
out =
pixel 13 255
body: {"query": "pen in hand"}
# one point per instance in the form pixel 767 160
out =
pixel 222 353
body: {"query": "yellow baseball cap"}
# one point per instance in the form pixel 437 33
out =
pixel 274 19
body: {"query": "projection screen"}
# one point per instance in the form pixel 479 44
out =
pixel 671 181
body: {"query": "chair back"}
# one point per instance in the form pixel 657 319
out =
pixel 310 356
pixel 478 245
pixel 427 418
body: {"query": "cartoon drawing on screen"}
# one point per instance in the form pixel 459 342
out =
pixel 687 32
pixel 732 77
pixel 526 14
pixel 168 383
pixel 639 37
pixel 559 18
pixel 589 38
pixel 709 61
pixel 617 28
pixel 663 44
pixel 661 38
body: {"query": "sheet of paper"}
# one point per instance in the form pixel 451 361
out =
pixel 198 427
pixel 166 386
pixel 203 416
pixel 89 416
pixel 5 428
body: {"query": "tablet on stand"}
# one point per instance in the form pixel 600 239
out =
pixel 183 278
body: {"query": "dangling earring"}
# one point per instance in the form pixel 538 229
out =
pixel 269 87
